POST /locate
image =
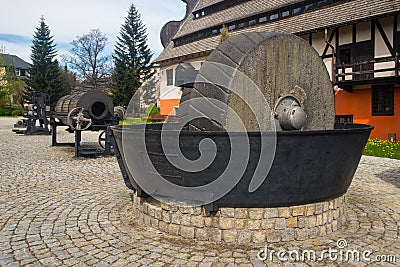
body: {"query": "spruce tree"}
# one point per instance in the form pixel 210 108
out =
pixel 132 59
pixel 44 72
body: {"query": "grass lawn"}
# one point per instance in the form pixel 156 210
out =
pixel 130 121
pixel 382 148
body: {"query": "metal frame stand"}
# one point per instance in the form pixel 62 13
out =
pixel 78 151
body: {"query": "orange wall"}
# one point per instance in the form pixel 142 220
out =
pixel 167 105
pixel 358 103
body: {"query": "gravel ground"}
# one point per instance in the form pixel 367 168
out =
pixel 56 210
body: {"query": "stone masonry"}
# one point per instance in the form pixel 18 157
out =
pixel 243 225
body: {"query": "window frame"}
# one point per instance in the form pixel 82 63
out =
pixel 376 98
pixel 170 77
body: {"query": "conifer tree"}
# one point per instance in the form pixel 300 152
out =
pixel 132 59
pixel 44 72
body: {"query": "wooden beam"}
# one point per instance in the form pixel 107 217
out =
pixel 373 35
pixel 310 38
pixel 395 44
pixel 327 56
pixel 385 38
pixel 329 41
pixel 337 40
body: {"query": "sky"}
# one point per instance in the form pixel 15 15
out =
pixel 72 18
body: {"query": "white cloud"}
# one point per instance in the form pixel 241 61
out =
pixel 16 49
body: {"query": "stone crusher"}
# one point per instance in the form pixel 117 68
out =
pixel 86 111
pixel 36 119
pixel 262 108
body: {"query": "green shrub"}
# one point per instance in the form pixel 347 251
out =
pixel 382 148
pixel 17 112
pixel 152 110
pixel 4 111
pixel 7 111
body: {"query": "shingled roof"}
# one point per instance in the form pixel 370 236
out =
pixel 343 13
pixel 13 61
pixel 206 3
pixel 244 10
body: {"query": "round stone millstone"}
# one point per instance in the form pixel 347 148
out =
pixel 278 64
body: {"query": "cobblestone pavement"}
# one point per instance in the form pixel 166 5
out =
pixel 56 210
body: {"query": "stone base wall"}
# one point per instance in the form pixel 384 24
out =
pixel 243 225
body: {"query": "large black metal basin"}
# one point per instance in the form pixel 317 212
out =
pixel 309 166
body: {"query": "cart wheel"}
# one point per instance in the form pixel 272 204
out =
pixel 102 139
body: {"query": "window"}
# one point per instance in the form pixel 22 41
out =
pixel 383 100
pixel 309 6
pixel 214 31
pixel 344 55
pixel 252 22
pixel 344 119
pixel 296 10
pixel 263 19
pixel 18 72
pixel 274 16
pixel 200 14
pixel 170 77
pixel 285 13
pixel 322 2
pixel 232 27
pixel 242 25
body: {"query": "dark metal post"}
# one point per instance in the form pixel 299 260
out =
pixel 53 132
pixel 107 147
pixel 78 138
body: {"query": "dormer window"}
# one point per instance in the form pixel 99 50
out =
pixel 309 7
pixel 252 22
pixel 274 16
pixel 242 25
pixel 322 2
pixel 199 14
pixel 296 10
pixel 285 13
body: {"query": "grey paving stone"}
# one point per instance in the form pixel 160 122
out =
pixel 59 211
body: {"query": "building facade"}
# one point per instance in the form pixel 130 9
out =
pixel 358 40
pixel 14 64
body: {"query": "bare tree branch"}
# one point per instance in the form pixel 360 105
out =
pixel 86 58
